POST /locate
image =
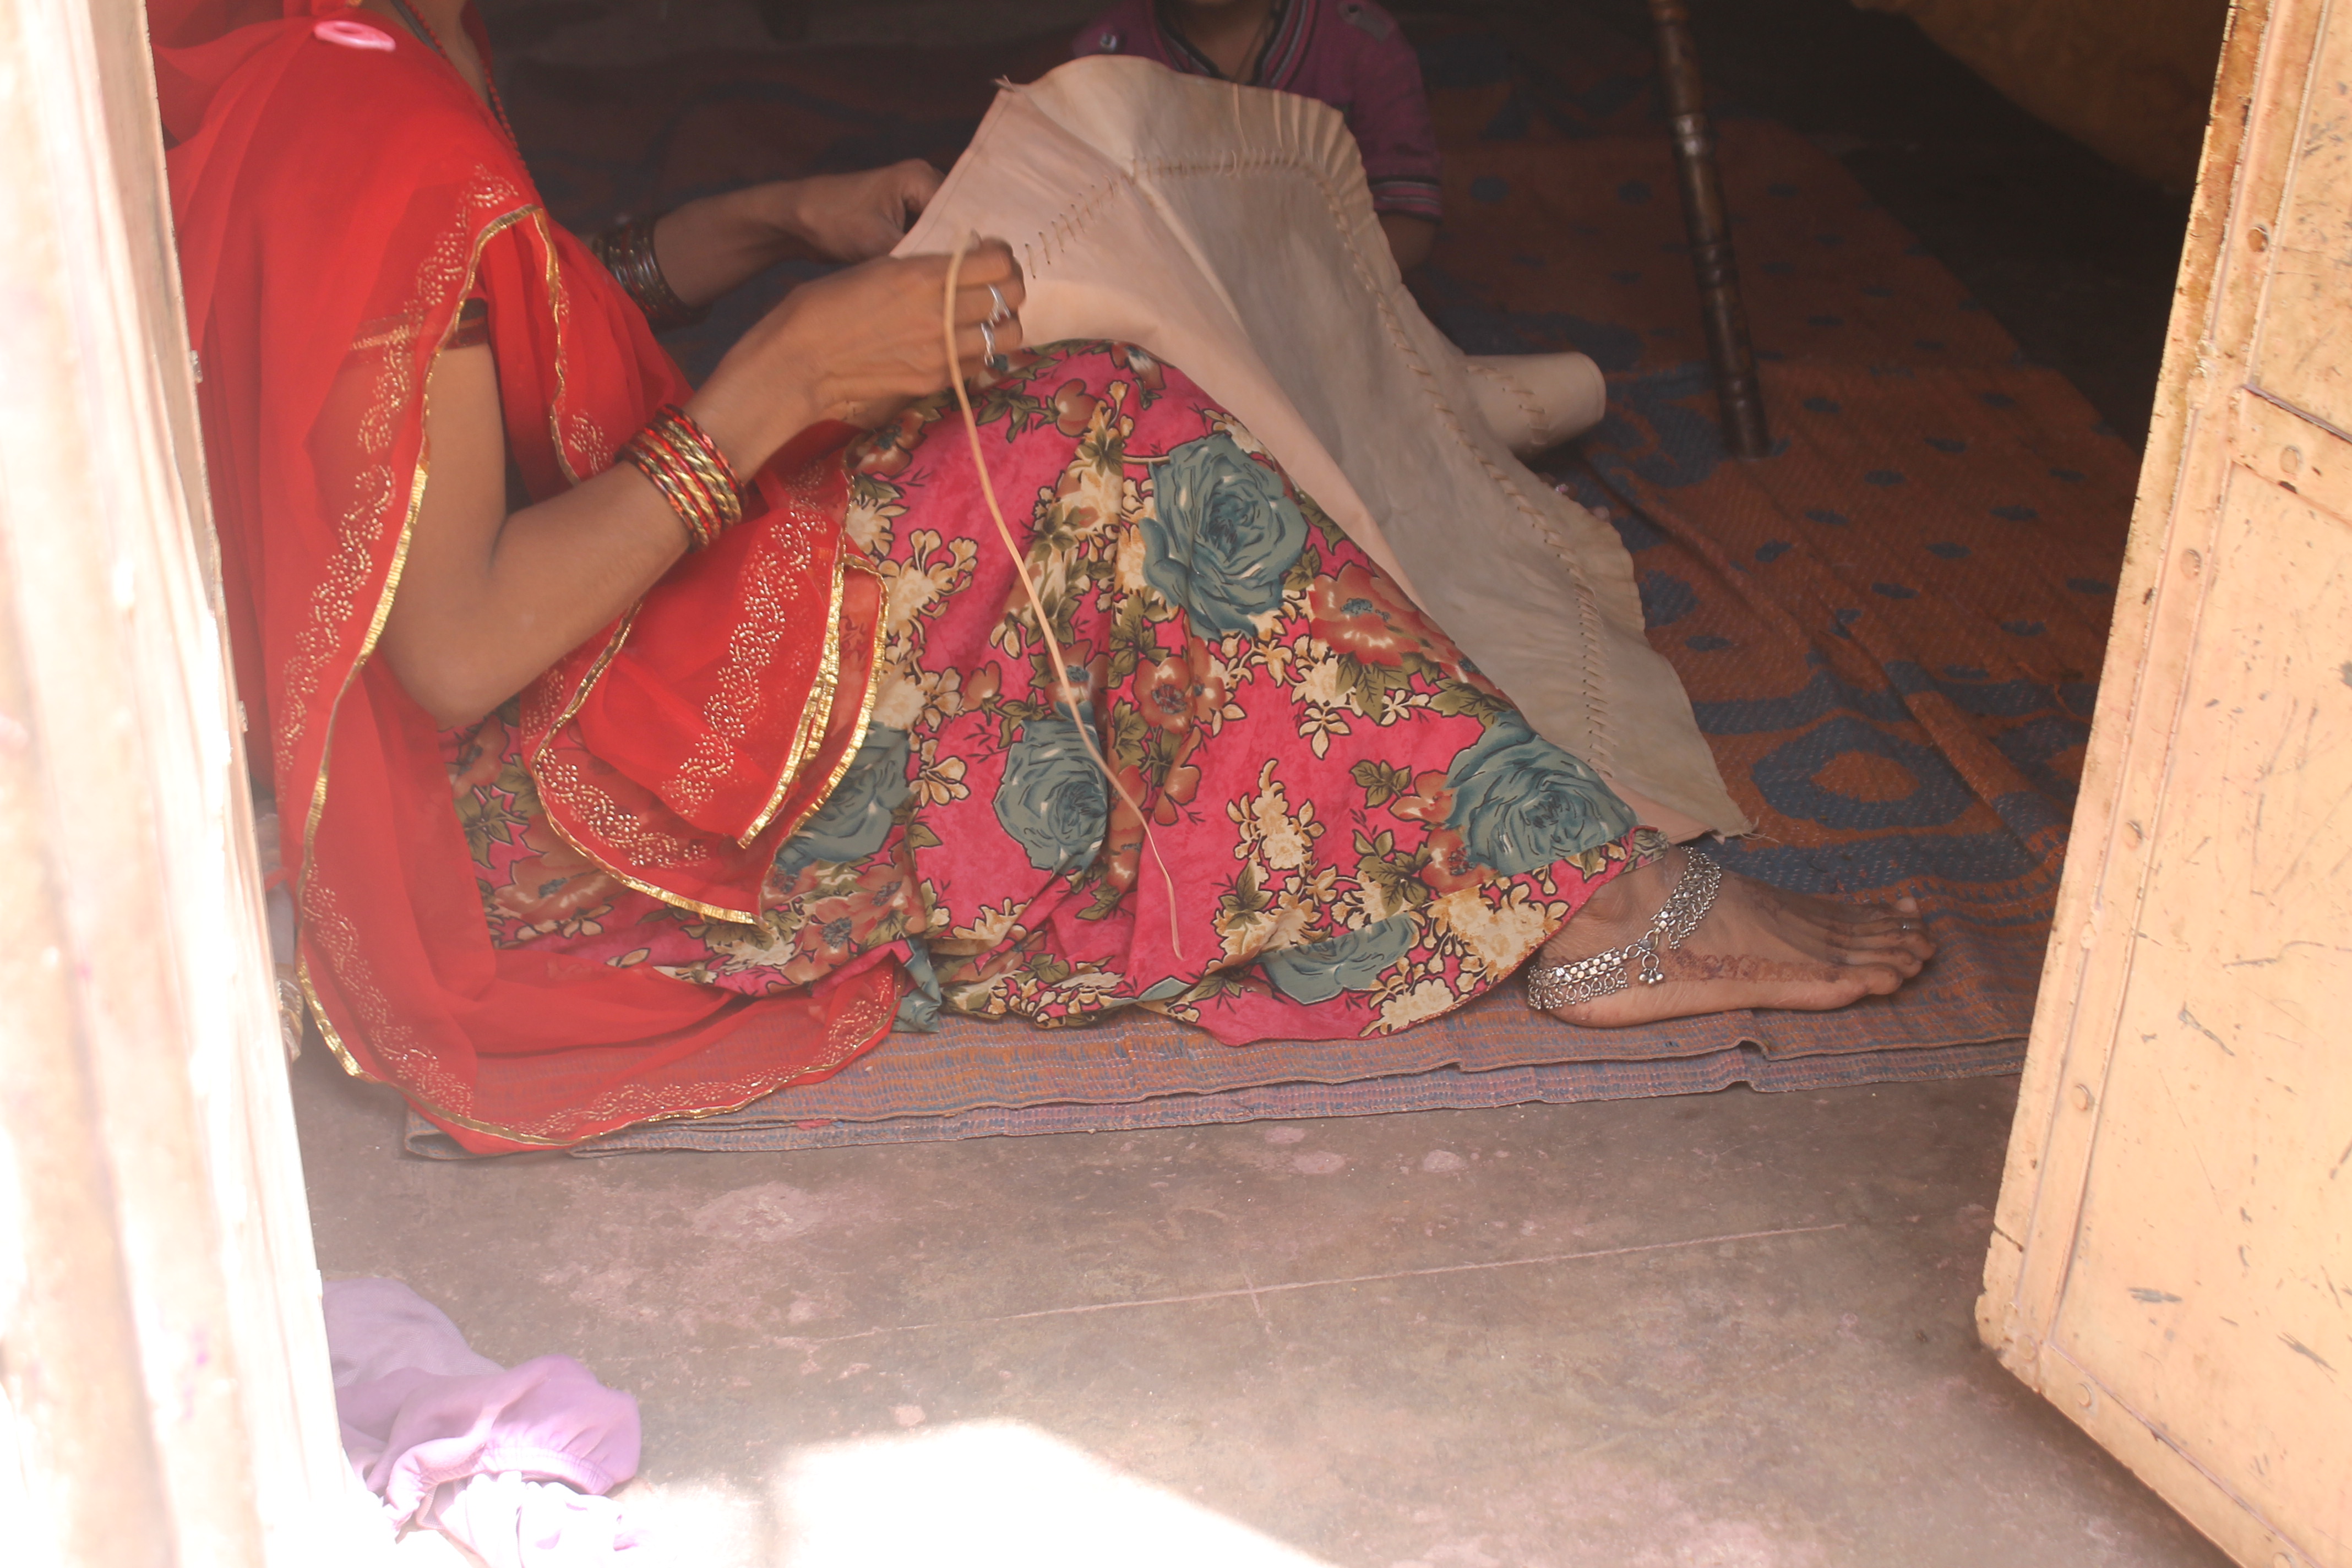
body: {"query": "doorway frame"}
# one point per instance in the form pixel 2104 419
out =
pixel 162 1352
pixel 165 1385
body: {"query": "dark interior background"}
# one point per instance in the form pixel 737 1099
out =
pixel 2075 256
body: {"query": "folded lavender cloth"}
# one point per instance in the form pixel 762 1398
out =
pixel 512 1463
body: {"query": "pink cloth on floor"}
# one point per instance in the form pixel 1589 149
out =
pixel 1347 53
pixel 451 1440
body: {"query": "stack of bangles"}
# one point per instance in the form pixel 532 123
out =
pixel 683 463
pixel 627 252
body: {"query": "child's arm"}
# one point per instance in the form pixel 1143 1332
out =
pixel 1390 115
pixel 1409 238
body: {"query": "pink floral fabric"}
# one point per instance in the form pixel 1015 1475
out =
pixel 1344 828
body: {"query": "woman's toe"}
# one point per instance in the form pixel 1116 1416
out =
pixel 1898 956
pixel 1880 930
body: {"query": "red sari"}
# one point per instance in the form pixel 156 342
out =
pixel 338 195
pixel 584 911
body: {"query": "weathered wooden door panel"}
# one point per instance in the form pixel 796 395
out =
pixel 2302 346
pixel 2202 1292
pixel 2172 1262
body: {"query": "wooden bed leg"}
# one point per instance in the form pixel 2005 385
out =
pixel 1737 389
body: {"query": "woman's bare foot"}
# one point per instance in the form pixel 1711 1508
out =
pixel 1757 947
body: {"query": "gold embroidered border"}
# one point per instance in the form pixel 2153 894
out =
pixel 541 766
pixel 327 1031
pixel 579 695
pixel 867 1029
pixel 595 448
pixel 817 712
pixel 331 600
pixel 865 713
pixel 675 901
pixel 392 577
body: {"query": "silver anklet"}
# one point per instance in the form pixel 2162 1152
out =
pixel 1606 974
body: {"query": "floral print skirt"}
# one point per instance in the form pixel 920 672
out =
pixel 1338 827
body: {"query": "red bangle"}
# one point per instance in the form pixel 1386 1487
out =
pixel 710 504
pixel 693 475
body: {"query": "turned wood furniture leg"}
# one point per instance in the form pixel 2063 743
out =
pixel 1737 389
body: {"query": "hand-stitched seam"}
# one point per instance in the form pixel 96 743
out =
pixel 1538 417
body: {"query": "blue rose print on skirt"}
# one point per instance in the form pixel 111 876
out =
pixel 856 818
pixel 1520 801
pixel 1054 800
pixel 1352 960
pixel 1222 533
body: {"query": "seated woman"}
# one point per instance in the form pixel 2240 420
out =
pixel 614 788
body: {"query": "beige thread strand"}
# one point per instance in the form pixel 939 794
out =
pixel 1068 691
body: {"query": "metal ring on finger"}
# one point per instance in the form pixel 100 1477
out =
pixel 1002 311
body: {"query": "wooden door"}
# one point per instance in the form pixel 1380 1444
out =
pixel 2172 1262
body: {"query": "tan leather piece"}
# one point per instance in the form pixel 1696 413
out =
pixel 1228 230
pixel 1533 402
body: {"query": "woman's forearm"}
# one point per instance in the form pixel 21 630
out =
pixel 469 629
pixel 708 248
pixel 489 599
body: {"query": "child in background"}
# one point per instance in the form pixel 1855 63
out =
pixel 1347 53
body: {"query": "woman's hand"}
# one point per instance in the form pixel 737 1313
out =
pixel 855 217
pixel 708 247
pixel 856 345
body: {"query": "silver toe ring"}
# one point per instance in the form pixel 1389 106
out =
pixel 1606 974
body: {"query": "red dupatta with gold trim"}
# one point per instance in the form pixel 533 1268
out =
pixel 338 193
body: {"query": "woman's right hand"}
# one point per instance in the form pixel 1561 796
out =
pixel 866 338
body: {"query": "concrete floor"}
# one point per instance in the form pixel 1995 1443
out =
pixel 1729 1330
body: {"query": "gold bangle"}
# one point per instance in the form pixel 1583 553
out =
pixel 681 460
pixel 715 503
pixel 689 506
pixel 693 443
pixel 703 459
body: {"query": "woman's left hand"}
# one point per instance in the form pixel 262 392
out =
pixel 708 247
pixel 855 217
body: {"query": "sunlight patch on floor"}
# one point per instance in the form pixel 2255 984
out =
pixel 980 1495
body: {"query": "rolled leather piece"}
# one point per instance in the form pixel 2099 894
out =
pixel 1535 402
